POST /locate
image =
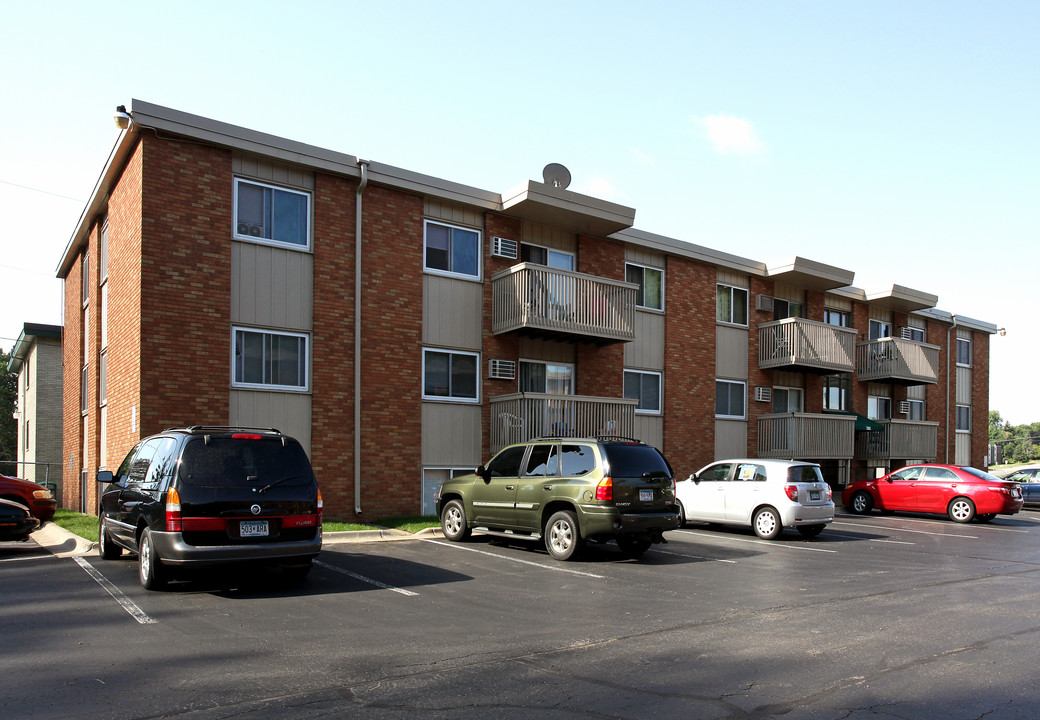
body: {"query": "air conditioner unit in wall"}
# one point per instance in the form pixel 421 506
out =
pixel 502 369
pixel 763 394
pixel 764 303
pixel 904 407
pixel 906 333
pixel 505 248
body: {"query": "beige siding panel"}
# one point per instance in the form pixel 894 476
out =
pixel 916 392
pixel 837 303
pixel 647 351
pixel 452 213
pixel 962 451
pixel 650 429
pixel 730 440
pixel 549 237
pixel 728 277
pixel 452 312
pixel 289 412
pixel 451 435
pixel 785 378
pixel 789 293
pixel 963 386
pixel 272 287
pixel 547 350
pixel 272 172
pixel 731 354
pixel 881 314
pixel 644 257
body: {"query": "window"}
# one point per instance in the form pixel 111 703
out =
pixel 646 388
pixel 452 250
pixel 543 377
pixel 269 360
pixel 839 318
pixel 83 390
pixel 914 333
pixel 836 392
pixel 783 309
pixel 86 277
pixel 577 460
pixel 787 400
pixel 546 256
pixel 879 408
pixel 731 304
pixel 450 375
pixel 916 410
pixel 432 479
pixel 963 352
pixel 729 398
pixel 651 285
pixel 543 461
pixel 880 329
pixel 964 418
pixel 103 379
pixel 103 249
pixel 507 462
pixel 272 214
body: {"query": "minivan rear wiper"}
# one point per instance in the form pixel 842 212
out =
pixel 267 487
pixel 656 474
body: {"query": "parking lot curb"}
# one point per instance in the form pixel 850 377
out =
pixel 61 542
pixel 378 535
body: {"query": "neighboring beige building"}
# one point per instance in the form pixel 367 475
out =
pixel 36 359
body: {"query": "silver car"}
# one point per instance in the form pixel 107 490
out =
pixel 767 495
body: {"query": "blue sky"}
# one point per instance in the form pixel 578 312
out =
pixel 895 139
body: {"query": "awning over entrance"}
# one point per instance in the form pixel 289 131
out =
pixel 863 423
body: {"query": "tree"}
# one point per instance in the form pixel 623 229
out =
pixel 8 425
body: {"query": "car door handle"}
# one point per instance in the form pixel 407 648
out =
pixel 509 487
pixel 548 487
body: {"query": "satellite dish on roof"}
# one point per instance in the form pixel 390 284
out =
pixel 556 175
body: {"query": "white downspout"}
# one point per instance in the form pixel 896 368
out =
pixel 363 164
pixel 948 381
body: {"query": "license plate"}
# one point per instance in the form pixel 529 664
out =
pixel 814 494
pixel 646 496
pixel 253 528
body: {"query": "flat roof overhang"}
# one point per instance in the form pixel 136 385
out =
pixel 810 274
pixel 547 205
pixel 902 299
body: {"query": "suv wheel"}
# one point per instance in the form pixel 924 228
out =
pixel 453 521
pixel 153 574
pixel 633 547
pixel 107 549
pixel 562 536
pixel 767 523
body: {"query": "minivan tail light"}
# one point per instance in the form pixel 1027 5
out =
pixel 173 511
pixel 321 507
pixel 792 492
pixel 605 489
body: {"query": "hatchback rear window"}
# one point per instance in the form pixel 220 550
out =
pixel 633 461
pixel 804 474
pixel 235 462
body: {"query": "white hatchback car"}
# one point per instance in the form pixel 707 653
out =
pixel 768 495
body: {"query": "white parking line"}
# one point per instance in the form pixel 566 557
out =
pixel 770 543
pixel 25 557
pixel 368 580
pixel 926 521
pixel 555 568
pixel 908 530
pixel 127 604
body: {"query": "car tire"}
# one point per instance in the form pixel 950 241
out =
pixel 150 568
pixel 682 513
pixel 811 531
pixel 107 549
pixel 633 547
pixel 861 503
pixel 562 535
pixel 453 522
pixel 988 517
pixel 961 510
pixel 767 524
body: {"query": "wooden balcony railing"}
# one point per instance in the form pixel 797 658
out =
pixel 806 436
pixel 906 362
pixel 542 298
pixel 900 440
pixel 806 344
pixel 522 416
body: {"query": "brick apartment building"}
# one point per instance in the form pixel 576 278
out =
pixel 37 361
pixel 405 327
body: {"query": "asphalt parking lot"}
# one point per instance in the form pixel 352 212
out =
pixel 904 616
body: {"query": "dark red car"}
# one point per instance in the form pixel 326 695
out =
pixel 38 499
pixel 963 493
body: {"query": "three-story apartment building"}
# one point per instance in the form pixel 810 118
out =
pixel 404 327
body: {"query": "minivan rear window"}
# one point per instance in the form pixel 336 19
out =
pixel 633 461
pixel 237 462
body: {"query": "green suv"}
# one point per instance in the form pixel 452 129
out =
pixel 566 491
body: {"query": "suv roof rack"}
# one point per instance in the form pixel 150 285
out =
pixel 617 438
pixel 223 428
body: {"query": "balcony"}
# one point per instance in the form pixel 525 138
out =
pixel 544 300
pixel 895 360
pixel 899 440
pixel 522 416
pixel 806 345
pixel 806 436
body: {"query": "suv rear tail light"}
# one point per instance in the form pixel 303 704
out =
pixel 173 511
pixel 792 492
pixel 321 507
pixel 605 489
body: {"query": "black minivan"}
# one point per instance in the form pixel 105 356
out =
pixel 198 496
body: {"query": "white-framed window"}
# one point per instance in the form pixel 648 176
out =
pixel 788 400
pixel 730 399
pixel 915 333
pixel 651 285
pixel 879 408
pixel 269 360
pixel 272 215
pixel 879 329
pixel 538 376
pixel 731 304
pixel 836 391
pixel 783 309
pixel 839 318
pixel 916 410
pixel 451 250
pixel 86 277
pixel 546 256
pixel 644 386
pixel 964 418
pixel 451 375
pixel 963 352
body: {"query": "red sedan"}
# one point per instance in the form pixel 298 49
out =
pixel 963 493
pixel 38 499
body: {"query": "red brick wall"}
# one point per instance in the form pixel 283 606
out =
pixel 599 369
pixel 979 398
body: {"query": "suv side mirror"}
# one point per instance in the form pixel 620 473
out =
pixel 483 473
pixel 105 476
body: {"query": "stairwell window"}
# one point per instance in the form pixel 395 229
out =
pixel 963 352
pixel 271 215
pixel 450 375
pixel 644 386
pixel 269 360
pixel 451 250
pixel 651 285
pixel 730 398
pixel 964 418
pixel 731 305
